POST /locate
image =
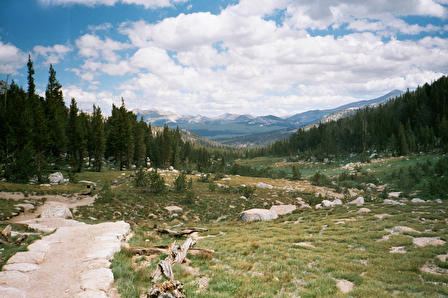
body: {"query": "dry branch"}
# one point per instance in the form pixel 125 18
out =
pixel 186 231
pixel 6 238
pixel 176 255
pixel 6 233
pixel 158 250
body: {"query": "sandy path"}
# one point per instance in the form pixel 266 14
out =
pixel 72 262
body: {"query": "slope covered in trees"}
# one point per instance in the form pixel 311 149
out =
pixel 413 122
pixel 39 134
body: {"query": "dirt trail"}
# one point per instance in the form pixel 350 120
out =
pixel 72 262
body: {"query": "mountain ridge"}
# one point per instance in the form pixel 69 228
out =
pixel 239 129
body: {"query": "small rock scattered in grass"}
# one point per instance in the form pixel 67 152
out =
pixel 304 244
pixel 345 286
pixel 433 269
pixel 358 202
pixel 364 210
pixel 403 229
pixel 425 241
pixel 417 200
pixel 395 194
pixel 392 202
pixel 202 283
pixel 173 208
pixel 397 250
pixel 381 216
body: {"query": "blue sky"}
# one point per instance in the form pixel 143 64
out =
pixel 212 57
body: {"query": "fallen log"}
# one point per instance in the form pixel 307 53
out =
pixel 6 233
pixel 20 239
pixel 183 232
pixel 176 255
pixel 164 249
pixel 167 289
pixel 6 238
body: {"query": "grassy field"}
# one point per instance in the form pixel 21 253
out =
pixel 302 254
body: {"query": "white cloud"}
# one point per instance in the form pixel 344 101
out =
pixel 86 99
pixel 393 25
pixel 154 3
pixel 52 54
pixel 239 61
pixel 82 2
pixel 325 13
pixel 11 58
pixel 100 27
pixel 149 4
pixel 91 46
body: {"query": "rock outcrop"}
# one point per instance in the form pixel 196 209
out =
pixel 283 209
pixel 56 178
pixel 257 214
pixel 359 201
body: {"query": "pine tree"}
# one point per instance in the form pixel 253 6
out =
pixel 56 114
pixel 76 132
pixel 403 144
pixel 18 138
pixel 296 175
pixel 40 131
pixel 98 139
pixel 128 120
pixel 140 145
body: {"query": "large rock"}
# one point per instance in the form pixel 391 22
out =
pixel 173 209
pixel 337 202
pixel 417 200
pixel 327 203
pixel 424 241
pixel 392 202
pixel 56 210
pixel 264 185
pixel 56 178
pixel 395 194
pixel 358 202
pixel 283 209
pixel 257 214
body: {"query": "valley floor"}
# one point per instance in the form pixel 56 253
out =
pixel 373 250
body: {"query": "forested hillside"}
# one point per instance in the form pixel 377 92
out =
pixel 413 122
pixel 39 134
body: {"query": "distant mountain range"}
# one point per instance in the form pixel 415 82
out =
pixel 247 130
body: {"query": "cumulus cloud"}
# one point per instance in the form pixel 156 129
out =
pixel 325 13
pixel 91 46
pixel 100 27
pixel 11 58
pixel 238 61
pixel 52 54
pixel 242 61
pixel 86 99
pixel 151 4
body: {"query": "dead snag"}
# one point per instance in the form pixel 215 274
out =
pixel 170 288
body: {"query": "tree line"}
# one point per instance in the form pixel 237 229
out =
pixel 416 121
pixel 40 134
